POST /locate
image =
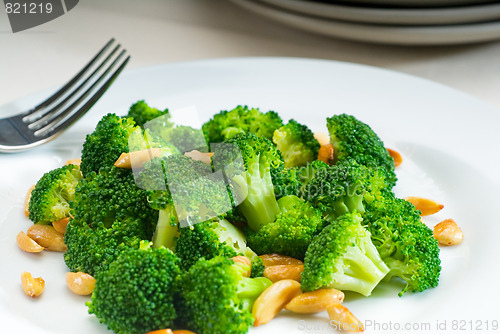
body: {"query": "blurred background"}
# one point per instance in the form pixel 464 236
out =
pixel 166 31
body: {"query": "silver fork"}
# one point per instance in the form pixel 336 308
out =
pixel 48 119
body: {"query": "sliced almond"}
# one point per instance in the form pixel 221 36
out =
pixel 161 331
pixel 137 158
pixel 61 224
pixel 76 162
pixel 278 259
pixel 203 157
pixel 342 319
pixel 182 331
pixel 32 287
pixel 273 299
pixel 315 301
pixel 284 271
pixel 80 283
pixel 322 138
pixel 47 237
pixel 447 233
pixel 27 244
pixel 244 263
pixel 325 153
pixel 425 205
pixel 27 202
pixel 398 159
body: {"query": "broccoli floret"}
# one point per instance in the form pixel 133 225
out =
pixel 241 119
pixel 353 139
pixel 210 239
pixel 296 143
pixel 293 181
pixel 184 138
pixel 50 198
pixel 216 298
pixel 105 145
pixel 185 192
pixel 137 292
pixel 111 195
pixel 92 249
pixel 404 242
pixel 342 256
pixel 251 181
pixel 292 231
pixel 142 113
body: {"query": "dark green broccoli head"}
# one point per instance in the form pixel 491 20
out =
pixel 91 250
pixel 50 198
pixel 137 292
pixel 184 138
pixel 111 195
pixel 296 143
pixel 404 242
pixel 216 298
pixel 286 181
pixel 292 231
pixel 142 113
pixel 241 119
pixel 247 160
pixel 342 256
pixel 105 145
pixel 353 139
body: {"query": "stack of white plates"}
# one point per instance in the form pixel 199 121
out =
pixel 403 22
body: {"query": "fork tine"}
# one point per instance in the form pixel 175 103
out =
pixel 54 112
pixel 70 83
pixel 57 126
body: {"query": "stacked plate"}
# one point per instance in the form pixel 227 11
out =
pixel 403 22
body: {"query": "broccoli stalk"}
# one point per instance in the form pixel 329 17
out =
pixel 342 256
pixel 166 228
pixel 216 298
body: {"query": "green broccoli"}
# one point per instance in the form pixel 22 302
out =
pixel 292 231
pixel 216 237
pixel 241 119
pixel 185 191
pixel 343 188
pixel 110 195
pixel 251 180
pixel 296 143
pixel 353 139
pixel 105 145
pixel 142 113
pixel 137 292
pixel 342 256
pixel 293 181
pixel 216 298
pixel 404 242
pixel 92 249
pixel 50 198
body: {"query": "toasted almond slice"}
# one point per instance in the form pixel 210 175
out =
pixel 341 318
pixel 425 205
pixel 137 158
pixel 325 153
pixel 197 155
pixel 447 233
pixel 278 259
pixel 322 138
pixel 315 301
pixel 161 331
pixel 80 283
pixel 284 271
pixel 27 202
pixel 32 287
pixel 244 263
pixel 61 224
pixel 27 244
pixel 398 159
pixel 76 162
pixel 273 299
pixel 48 237
pixel 182 331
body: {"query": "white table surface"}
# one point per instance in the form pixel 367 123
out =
pixel 167 31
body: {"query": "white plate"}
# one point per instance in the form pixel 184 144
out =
pixel 402 16
pixel 377 33
pixel 446 138
pixel 417 3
